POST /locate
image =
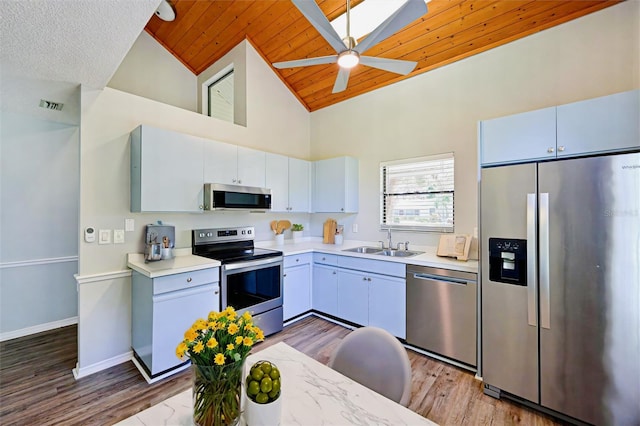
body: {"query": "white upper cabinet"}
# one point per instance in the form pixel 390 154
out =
pixel 520 137
pixel 166 171
pixel 232 164
pixel 299 185
pixel 277 180
pixel 335 188
pixel 290 182
pixel 251 167
pixel 608 123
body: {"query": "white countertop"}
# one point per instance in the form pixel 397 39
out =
pixel 312 394
pixel 428 258
pixel 184 261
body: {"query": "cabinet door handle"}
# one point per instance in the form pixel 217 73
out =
pixel 284 275
pixel 215 292
pixel 364 278
pixel 550 150
pixel 369 279
pixel 334 272
pixel 561 149
pixel 239 181
pixel 189 279
pixel 297 260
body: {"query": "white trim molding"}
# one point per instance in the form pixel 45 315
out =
pixel 37 262
pixel 87 279
pixel 37 329
pixel 79 373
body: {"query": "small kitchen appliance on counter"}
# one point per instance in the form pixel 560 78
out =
pixel 159 241
pixel 250 277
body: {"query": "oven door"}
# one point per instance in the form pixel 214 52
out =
pixel 254 286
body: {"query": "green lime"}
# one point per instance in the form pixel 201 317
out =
pixel 275 385
pixel 253 388
pixel 274 394
pixel 262 398
pixel 266 367
pixel 274 374
pixel 266 384
pixel 257 374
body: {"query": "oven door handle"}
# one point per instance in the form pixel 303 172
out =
pixel 252 263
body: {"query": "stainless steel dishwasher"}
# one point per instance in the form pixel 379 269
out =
pixel 442 312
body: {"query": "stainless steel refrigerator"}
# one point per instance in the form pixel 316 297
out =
pixel 560 291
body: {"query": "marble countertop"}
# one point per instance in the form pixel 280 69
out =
pixel 428 258
pixel 183 261
pixel 312 394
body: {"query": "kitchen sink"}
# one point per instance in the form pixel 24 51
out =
pixel 399 253
pixel 385 252
pixel 366 250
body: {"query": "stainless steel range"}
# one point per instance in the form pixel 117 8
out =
pixel 250 277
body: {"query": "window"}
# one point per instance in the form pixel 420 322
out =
pixel 417 194
pixel 220 96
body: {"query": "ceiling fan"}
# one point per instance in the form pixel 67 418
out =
pixel 349 54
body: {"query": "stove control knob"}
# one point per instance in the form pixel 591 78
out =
pixel 249 231
pixel 202 235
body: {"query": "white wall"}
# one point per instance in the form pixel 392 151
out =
pixel 107 119
pixel 149 70
pixel 39 189
pixel 438 111
pixel 428 114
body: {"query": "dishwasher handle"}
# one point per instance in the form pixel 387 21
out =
pixel 449 280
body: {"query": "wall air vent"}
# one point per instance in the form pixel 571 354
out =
pixel 56 106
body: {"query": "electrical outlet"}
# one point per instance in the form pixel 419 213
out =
pixel 354 228
pixel 104 236
pixel 118 236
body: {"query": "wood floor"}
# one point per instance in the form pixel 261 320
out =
pixel 38 388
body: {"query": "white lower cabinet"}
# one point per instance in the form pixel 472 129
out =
pixel 387 304
pixel 296 285
pixel 353 296
pixel 360 291
pixel 325 289
pixel 163 308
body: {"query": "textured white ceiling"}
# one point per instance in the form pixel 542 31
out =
pixel 48 48
pixel 74 41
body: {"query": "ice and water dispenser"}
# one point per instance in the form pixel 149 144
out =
pixel 508 261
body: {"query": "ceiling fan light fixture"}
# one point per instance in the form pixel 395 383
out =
pixel 348 59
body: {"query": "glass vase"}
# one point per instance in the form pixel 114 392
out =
pixel 216 394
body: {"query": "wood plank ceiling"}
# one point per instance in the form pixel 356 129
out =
pixel 205 30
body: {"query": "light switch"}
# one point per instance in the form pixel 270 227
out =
pixel 118 236
pixel 129 225
pixel 104 236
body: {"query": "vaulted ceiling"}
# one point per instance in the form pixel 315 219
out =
pixel 204 31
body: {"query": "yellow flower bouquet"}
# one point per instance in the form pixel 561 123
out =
pixel 217 347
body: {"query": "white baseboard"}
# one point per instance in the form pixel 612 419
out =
pixel 37 329
pixel 161 376
pixel 79 373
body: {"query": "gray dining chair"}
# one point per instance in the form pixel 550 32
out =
pixel 374 358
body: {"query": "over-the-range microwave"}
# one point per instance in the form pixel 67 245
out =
pixel 218 196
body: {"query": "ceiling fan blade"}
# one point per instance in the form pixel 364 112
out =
pixel 314 15
pixel 408 12
pixel 392 65
pixel 341 80
pixel 306 62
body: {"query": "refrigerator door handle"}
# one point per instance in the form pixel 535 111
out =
pixel 545 311
pixel 532 279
